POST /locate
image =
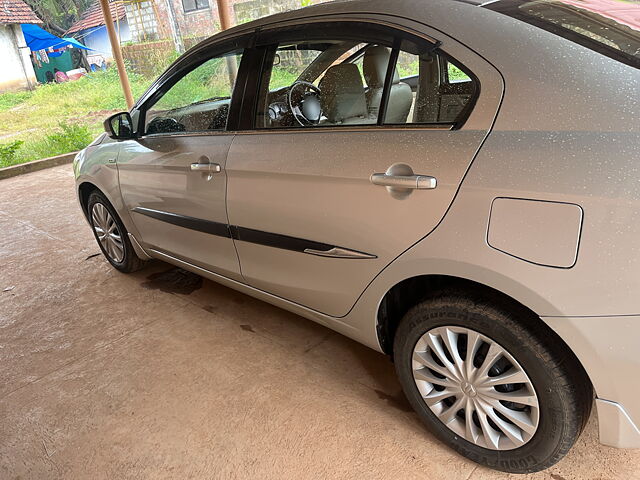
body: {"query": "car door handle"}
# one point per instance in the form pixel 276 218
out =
pixel 206 167
pixel 416 182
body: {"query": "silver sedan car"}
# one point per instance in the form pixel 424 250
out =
pixel 453 184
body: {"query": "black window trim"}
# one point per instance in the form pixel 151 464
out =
pixel 263 42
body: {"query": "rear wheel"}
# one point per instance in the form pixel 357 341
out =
pixel 111 234
pixel 499 392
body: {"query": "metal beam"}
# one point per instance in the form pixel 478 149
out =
pixel 117 53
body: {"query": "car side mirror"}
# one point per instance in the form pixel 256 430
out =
pixel 119 126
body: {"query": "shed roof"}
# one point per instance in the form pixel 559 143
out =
pixel 92 17
pixel 15 12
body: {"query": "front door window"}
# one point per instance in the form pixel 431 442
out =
pixel 199 101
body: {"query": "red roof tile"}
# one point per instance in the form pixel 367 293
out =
pixel 93 16
pixel 16 11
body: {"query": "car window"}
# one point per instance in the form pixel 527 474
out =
pixel 454 74
pixel 199 101
pixel 290 62
pixel 428 88
pixel 317 84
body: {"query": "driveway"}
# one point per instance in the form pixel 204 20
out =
pixel 161 374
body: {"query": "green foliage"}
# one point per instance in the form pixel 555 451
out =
pixel 66 138
pixel 456 74
pixel 281 77
pixel 61 13
pixel 209 80
pixel 306 3
pixel 8 152
pixel 8 100
pixel 69 138
pixel 409 68
pixel 60 118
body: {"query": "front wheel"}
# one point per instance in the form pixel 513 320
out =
pixel 499 392
pixel 111 234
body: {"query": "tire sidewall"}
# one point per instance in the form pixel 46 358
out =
pixel 549 437
pixel 97 197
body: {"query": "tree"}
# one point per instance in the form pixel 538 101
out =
pixel 59 15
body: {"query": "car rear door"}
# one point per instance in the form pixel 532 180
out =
pixel 173 178
pixel 318 211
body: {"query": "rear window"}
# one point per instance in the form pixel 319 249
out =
pixel 610 27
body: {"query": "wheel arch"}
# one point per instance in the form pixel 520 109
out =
pixel 84 190
pixel 408 292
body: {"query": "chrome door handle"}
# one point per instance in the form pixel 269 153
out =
pixel 416 182
pixel 206 167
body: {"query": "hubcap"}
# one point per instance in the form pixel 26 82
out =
pixel 475 387
pixel 107 232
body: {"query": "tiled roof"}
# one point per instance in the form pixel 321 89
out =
pixel 93 17
pixel 16 11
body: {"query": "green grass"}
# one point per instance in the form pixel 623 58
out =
pixel 60 118
pixel 66 138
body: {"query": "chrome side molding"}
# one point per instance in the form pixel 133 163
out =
pixel 337 252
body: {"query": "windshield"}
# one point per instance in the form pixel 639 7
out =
pixel 610 27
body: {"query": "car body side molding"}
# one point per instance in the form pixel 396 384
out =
pixel 242 234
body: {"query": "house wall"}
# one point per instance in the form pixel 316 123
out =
pixel 17 71
pixel 98 39
pixel 149 20
pixel 143 23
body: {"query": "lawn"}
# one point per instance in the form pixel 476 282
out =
pixel 59 118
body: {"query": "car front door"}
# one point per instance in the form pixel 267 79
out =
pixel 172 177
pixel 320 204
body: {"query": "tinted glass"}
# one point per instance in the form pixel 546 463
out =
pixel 610 27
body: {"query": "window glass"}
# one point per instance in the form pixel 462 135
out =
pixel 289 63
pixel 191 5
pixel 454 74
pixel 427 89
pixel 323 83
pixel 199 101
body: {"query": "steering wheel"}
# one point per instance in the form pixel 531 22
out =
pixel 307 109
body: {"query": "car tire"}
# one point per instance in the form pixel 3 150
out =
pixel 531 355
pixel 111 234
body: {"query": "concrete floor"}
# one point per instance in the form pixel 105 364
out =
pixel 160 374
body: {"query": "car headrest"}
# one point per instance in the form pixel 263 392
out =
pixel 375 64
pixel 343 94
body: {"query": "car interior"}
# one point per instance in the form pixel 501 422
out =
pixel 341 83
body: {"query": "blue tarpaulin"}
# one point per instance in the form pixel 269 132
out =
pixel 39 39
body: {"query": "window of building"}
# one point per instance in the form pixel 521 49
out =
pixel 193 5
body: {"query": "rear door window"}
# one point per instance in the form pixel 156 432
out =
pixel 337 79
pixel 428 88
